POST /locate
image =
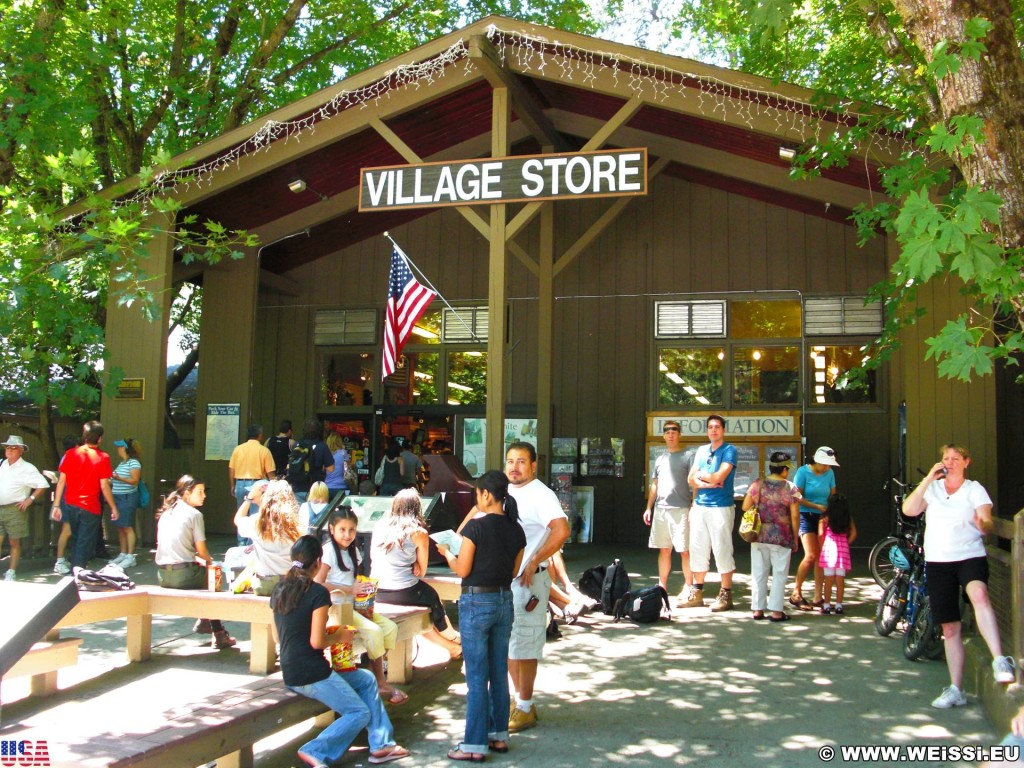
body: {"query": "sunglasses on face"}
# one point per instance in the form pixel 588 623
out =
pixel 670 429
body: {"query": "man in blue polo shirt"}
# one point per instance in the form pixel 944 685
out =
pixel 713 512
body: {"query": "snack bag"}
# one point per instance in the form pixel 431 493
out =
pixel 363 604
pixel 343 658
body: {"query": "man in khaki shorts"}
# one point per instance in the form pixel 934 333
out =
pixel 668 512
pixel 20 485
pixel 546 528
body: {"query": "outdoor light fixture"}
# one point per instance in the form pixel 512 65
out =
pixel 787 154
pixel 300 185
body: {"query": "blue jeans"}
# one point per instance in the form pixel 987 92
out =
pixel 241 491
pixel 353 696
pixel 86 537
pixel 485 623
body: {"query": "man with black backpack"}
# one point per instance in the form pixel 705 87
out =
pixel 280 445
pixel 310 460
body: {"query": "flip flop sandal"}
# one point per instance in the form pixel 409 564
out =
pixel 395 753
pixel 492 745
pixel 796 602
pixel 456 753
pixel 760 617
pixel 396 698
pixel 783 617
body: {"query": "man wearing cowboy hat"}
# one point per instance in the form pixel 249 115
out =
pixel 20 485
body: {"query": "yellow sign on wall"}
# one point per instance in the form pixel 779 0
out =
pixel 131 389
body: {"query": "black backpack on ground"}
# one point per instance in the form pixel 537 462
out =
pixel 300 465
pixel 615 585
pixel 643 606
pixel 592 580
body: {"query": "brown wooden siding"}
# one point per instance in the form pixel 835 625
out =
pixel 682 238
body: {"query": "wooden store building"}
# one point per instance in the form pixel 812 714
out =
pixel 617 238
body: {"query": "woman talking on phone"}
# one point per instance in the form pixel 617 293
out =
pixel 489 557
pixel 959 514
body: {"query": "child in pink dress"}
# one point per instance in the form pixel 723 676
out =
pixel 837 532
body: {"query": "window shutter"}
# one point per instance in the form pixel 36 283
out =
pixel 345 326
pixel 680 319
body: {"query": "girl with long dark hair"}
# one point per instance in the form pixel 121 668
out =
pixel 300 608
pixel 489 557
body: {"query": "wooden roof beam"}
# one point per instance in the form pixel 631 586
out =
pixel 484 55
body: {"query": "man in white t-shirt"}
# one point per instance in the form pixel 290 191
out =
pixel 21 484
pixel 546 528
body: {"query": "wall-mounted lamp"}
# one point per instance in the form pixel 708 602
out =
pixel 787 154
pixel 300 185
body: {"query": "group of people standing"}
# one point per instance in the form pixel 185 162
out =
pixel 691 510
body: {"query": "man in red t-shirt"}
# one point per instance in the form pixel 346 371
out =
pixel 85 473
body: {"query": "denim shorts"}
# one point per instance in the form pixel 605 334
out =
pixel 126 504
pixel 809 522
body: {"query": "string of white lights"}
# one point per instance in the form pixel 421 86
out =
pixel 715 97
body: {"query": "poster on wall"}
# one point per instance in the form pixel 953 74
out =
pixel 791 450
pixel 222 421
pixel 748 468
pixel 474 441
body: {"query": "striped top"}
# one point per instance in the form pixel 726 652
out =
pixel 124 469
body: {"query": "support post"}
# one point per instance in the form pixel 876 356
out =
pixel 545 339
pixel 139 348
pixel 497 294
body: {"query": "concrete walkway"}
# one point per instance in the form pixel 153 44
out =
pixel 703 689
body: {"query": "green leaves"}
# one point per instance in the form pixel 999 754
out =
pixel 959 350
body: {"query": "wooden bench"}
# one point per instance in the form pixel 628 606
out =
pixel 220 727
pixel 42 662
pixel 448 587
pixel 138 607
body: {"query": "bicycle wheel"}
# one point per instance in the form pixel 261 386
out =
pixel 881 568
pixel 892 606
pixel 920 633
pixel 936 647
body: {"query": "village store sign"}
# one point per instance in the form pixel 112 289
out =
pixel 524 178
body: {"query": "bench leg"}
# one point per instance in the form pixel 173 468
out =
pixel 140 637
pixel 400 662
pixel 263 656
pixel 43 684
pixel 243 758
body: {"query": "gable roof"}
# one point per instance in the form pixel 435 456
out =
pixel 716 127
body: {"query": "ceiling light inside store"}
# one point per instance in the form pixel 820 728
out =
pixel 690 390
pixel 463 387
pixel 703 400
pixel 475 353
pixel 662 367
pixel 424 332
pixel 674 377
pixel 454 402
pixel 423 375
pixel 787 154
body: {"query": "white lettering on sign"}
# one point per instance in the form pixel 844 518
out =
pixel 584 174
pixel 739 426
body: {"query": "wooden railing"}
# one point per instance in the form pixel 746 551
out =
pixel 1006 581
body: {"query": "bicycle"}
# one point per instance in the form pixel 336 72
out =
pixel 880 563
pixel 893 603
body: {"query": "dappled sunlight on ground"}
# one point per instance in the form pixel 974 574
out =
pixel 702 690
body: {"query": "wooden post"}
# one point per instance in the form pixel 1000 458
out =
pixel 139 348
pixel 497 295
pixel 140 637
pixel 545 338
pixel 1017 587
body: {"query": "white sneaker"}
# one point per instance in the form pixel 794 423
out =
pixel 9 576
pixel 118 560
pixel 128 561
pixel 62 566
pixel 950 697
pixel 1002 669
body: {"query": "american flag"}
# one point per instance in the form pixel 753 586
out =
pixel 407 301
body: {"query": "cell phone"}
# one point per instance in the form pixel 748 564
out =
pixel 942 471
pixel 531 603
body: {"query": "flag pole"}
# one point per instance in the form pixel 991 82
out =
pixel 431 286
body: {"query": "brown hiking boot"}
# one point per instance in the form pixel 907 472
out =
pixel 694 599
pixel 521 721
pixel 723 601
